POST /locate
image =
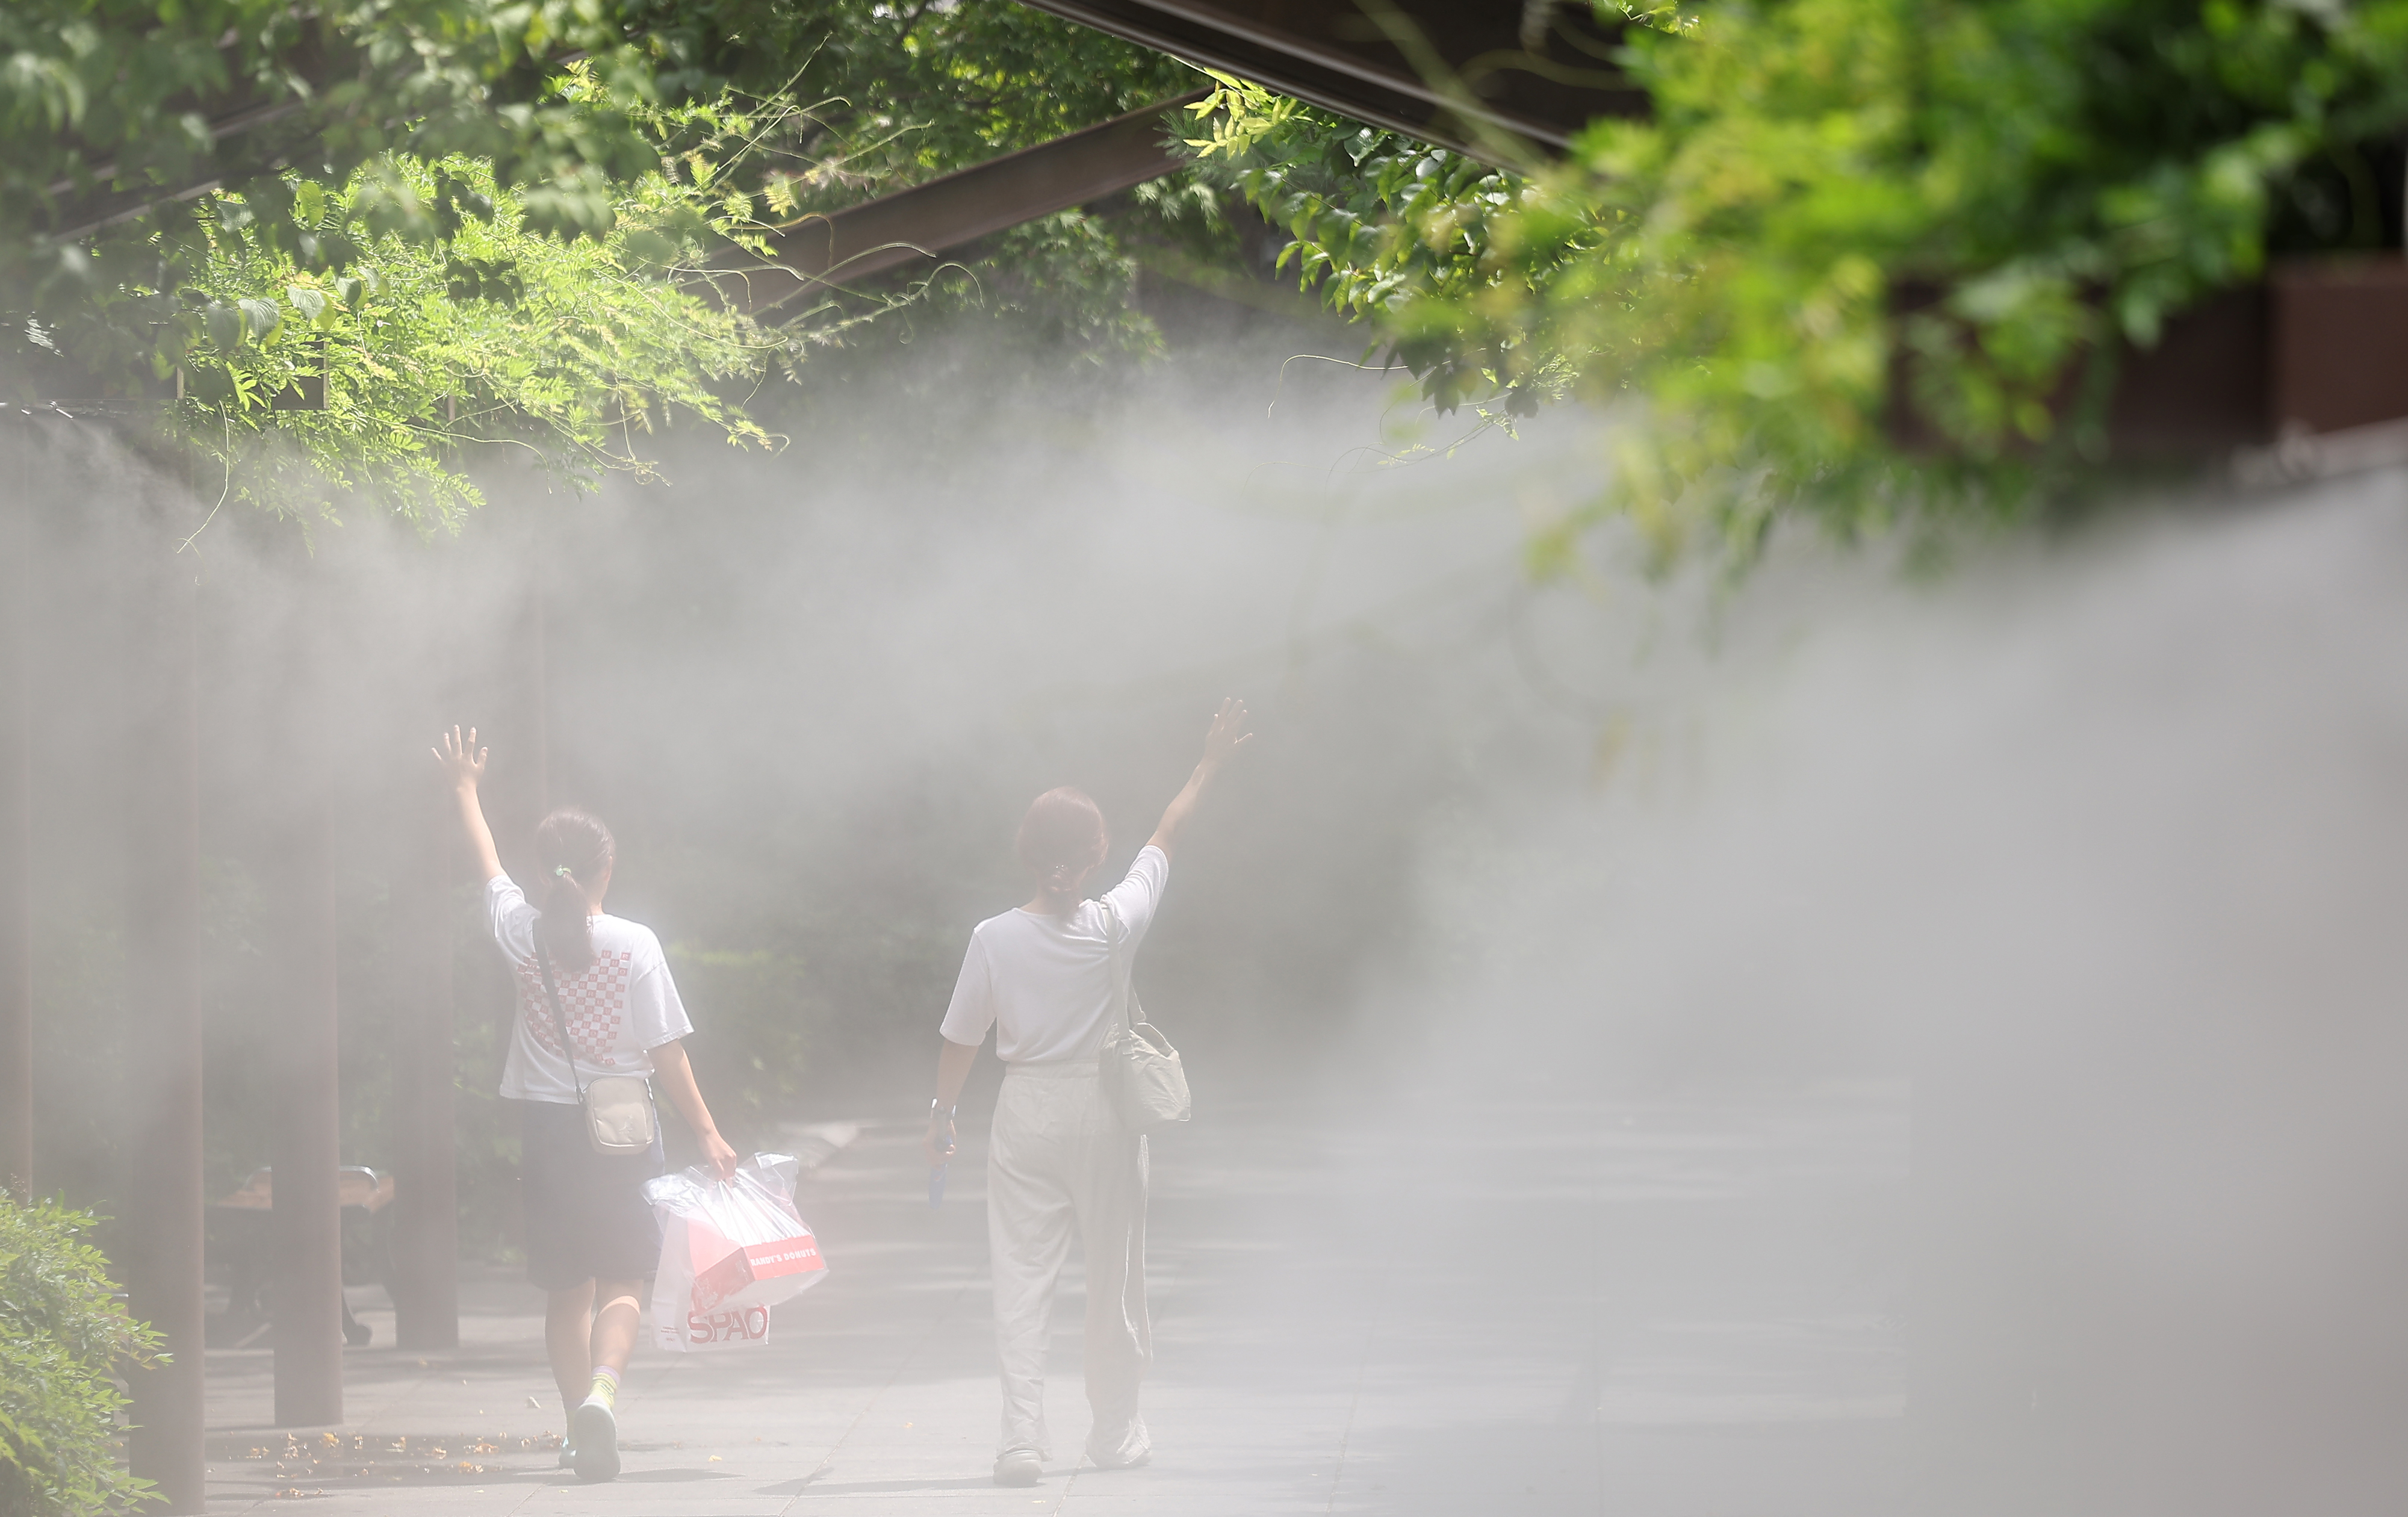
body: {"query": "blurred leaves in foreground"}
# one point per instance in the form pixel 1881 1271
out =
pixel 1962 208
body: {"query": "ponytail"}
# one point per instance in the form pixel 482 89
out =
pixel 574 848
pixel 1061 838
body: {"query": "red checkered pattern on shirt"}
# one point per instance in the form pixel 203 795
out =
pixel 593 1004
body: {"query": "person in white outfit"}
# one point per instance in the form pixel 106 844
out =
pixel 1058 1160
pixel 594 988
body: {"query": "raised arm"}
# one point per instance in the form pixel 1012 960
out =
pixel 1231 730
pixel 463 765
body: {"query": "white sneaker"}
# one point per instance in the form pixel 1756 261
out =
pixel 1133 1448
pixel 1018 1467
pixel 567 1457
pixel 594 1434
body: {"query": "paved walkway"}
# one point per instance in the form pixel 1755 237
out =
pixel 1675 1307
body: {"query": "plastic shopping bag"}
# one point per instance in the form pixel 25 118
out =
pixel 729 1252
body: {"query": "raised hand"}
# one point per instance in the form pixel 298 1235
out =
pixel 463 765
pixel 463 761
pixel 1232 729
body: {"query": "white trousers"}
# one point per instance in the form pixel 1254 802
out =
pixel 1058 1160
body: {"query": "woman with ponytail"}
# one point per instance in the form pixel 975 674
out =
pixel 1058 1159
pixel 590 1239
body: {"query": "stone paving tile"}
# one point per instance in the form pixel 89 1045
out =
pixel 1656 1310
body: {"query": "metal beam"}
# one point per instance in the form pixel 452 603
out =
pixel 915 226
pixel 1471 75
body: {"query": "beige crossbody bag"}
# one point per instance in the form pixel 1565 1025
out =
pixel 620 1119
pixel 1143 1083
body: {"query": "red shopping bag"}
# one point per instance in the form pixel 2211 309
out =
pixel 729 1252
pixel 742 1265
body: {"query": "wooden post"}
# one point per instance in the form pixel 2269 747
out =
pixel 540 697
pixel 17 535
pixel 307 1218
pixel 426 1214
pixel 160 1256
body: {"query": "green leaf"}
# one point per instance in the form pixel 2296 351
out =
pixel 645 245
pixel 261 317
pixel 62 1330
pixel 225 325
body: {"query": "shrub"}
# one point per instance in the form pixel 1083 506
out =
pixel 62 1330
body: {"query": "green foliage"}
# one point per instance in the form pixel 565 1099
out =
pixel 1062 285
pixel 63 1332
pixel 101 100
pixel 888 96
pixel 477 251
pixel 1383 226
pixel 905 92
pixel 1971 203
pixel 774 107
pixel 765 1014
pixel 429 354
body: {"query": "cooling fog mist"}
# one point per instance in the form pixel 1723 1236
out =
pixel 1835 1040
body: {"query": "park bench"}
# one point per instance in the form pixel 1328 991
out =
pixel 247 1241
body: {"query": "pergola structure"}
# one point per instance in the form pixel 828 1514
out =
pixel 2308 358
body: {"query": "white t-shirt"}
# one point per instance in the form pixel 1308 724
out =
pixel 1043 982
pixel 621 1009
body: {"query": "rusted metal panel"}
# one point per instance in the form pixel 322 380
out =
pixel 1450 71
pixel 911 226
pixel 2203 389
pixel 2340 350
pixel 2319 348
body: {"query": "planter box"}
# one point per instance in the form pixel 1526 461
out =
pixel 2320 348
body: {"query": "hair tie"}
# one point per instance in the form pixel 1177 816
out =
pixel 564 872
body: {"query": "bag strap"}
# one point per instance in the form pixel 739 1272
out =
pixel 1121 986
pixel 551 994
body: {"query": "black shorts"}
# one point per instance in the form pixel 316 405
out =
pixel 586 1215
